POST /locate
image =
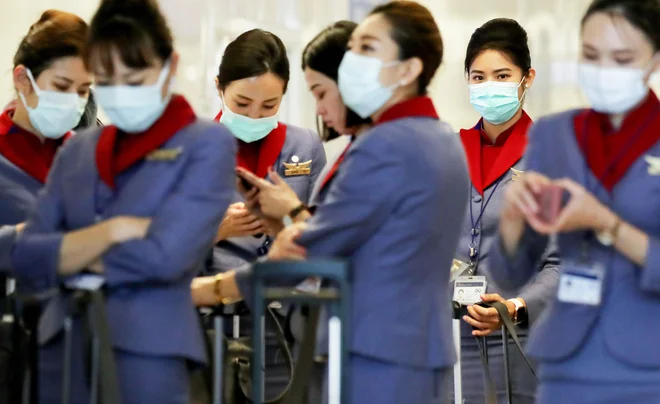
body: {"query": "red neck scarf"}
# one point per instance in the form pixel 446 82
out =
pixel 115 154
pixel 257 157
pixel 421 106
pixel 609 152
pixel 25 150
pixel 415 107
pixel 512 151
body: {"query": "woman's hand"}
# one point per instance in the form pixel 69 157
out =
pixel 487 320
pixel 284 247
pixel 274 200
pixel 583 211
pixel 203 291
pixel 125 228
pixel 239 222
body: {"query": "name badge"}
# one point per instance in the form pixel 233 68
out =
pixel 293 169
pixel 581 284
pixel 165 154
pixel 468 289
pixel 654 165
pixel 516 175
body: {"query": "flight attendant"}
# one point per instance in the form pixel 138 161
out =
pixel 380 214
pixel 593 342
pixel 52 85
pixel 138 202
pixel 252 80
pixel 499 71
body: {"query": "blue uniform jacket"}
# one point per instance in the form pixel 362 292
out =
pixel 394 211
pixel 615 340
pixel 150 308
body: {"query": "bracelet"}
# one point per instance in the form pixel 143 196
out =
pixel 217 290
pixel 297 210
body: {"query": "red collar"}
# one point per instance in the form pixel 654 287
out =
pixel 267 151
pixel 25 150
pixel 609 152
pixel 415 107
pixel 115 154
pixel 511 153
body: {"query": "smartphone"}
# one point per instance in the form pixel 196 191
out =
pixel 549 201
pixel 245 184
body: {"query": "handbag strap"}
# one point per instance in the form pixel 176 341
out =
pixel 95 326
pixel 508 328
pixel 305 363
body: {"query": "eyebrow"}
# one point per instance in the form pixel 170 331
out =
pixel 502 70
pixel 371 37
pixel 314 86
pixel 250 99
pixel 69 81
pixel 594 49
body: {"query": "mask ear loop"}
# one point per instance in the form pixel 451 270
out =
pixel 36 88
pixel 522 97
pixel 649 73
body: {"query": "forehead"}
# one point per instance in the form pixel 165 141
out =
pixel 67 66
pixel 265 86
pixel 375 26
pixel 490 60
pixel 612 31
pixel 314 77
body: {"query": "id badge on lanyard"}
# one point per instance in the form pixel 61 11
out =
pixel 468 289
pixel 581 283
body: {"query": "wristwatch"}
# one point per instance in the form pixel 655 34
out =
pixel 288 219
pixel 520 312
pixel 607 237
pixel 217 290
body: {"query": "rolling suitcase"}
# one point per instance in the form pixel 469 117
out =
pixel 337 297
pixel 508 330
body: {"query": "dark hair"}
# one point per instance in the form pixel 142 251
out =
pixel 88 118
pixel 643 14
pixel 324 54
pixel 134 28
pixel 252 54
pixel 57 34
pixel 505 36
pixel 415 32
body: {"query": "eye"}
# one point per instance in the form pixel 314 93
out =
pixel 135 83
pixel 366 48
pixel 320 97
pixel 623 61
pixel 269 106
pixel 241 104
pixel 477 78
pixel 61 87
pixel 590 56
pixel 83 93
pixel 503 76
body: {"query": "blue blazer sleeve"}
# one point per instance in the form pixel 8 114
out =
pixel 357 202
pixel 182 230
pixel 650 279
pixel 542 289
pixel 513 272
pixel 36 253
pixel 7 240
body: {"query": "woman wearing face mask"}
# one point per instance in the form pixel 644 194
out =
pixel 137 202
pixel 498 67
pixel 252 79
pixel 592 343
pixel 397 232
pixel 52 85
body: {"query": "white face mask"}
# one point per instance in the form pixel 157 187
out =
pixel 133 109
pixel 245 128
pixel 359 83
pixel 613 90
pixel 56 112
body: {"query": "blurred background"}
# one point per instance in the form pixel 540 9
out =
pixel 203 28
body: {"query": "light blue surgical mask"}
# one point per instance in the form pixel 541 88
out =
pixel 133 109
pixel 56 112
pixel 359 83
pixel 496 102
pixel 245 128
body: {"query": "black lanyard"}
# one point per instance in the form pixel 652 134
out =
pixel 476 224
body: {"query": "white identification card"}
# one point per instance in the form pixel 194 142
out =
pixel 85 282
pixel 468 289
pixel 459 268
pixel 581 284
